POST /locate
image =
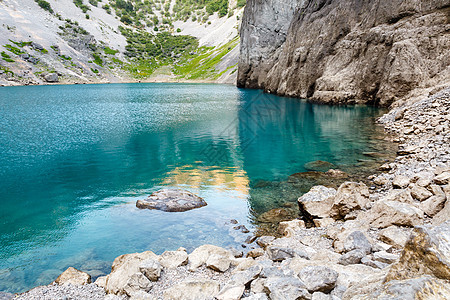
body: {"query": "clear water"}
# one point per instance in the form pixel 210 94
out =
pixel 74 159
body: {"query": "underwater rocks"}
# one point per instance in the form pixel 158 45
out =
pixel 171 200
pixel 319 165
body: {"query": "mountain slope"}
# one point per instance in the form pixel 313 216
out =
pixel 76 41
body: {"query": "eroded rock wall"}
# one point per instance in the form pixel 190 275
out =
pixel 345 51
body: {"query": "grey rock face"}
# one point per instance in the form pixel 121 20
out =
pixel 279 253
pixel 52 77
pixel 344 51
pixel 357 241
pixel 318 278
pixel 281 288
pixel 352 257
pixel 151 269
pixel 263 32
pixel 171 201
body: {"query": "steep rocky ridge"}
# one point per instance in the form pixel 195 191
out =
pixel 345 51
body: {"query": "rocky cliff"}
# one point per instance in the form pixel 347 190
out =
pixel 345 51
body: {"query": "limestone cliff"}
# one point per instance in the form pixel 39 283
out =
pixel 345 51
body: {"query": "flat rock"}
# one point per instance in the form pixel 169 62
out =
pixel 288 228
pixel 351 258
pixel 193 290
pixel 254 253
pixel 276 253
pixel 74 277
pixel 318 278
pixel 385 257
pixel 433 205
pixel 171 200
pixel 386 213
pixel 393 236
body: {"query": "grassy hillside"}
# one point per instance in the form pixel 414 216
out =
pixel 119 40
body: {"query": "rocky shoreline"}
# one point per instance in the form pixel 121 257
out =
pixel 387 242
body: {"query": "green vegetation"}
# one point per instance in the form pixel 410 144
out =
pixel 7 70
pixel 66 57
pixel 142 13
pixel 203 66
pixel 6 57
pixel 44 5
pixel 110 51
pixel 93 2
pixel 163 47
pixel 97 59
pixel 81 5
pixel 13 49
pixel 94 71
pixel 21 44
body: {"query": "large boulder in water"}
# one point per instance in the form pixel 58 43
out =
pixel 171 200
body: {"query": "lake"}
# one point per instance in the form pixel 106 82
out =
pixel 75 158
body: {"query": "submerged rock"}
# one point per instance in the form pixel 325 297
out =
pixel 319 165
pixel 171 201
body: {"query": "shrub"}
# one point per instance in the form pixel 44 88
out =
pixel 44 5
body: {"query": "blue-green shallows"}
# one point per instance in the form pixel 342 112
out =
pixel 74 159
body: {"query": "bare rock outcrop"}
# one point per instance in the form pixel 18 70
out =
pixel 345 51
pixel 426 252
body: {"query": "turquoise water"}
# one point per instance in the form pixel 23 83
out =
pixel 74 159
